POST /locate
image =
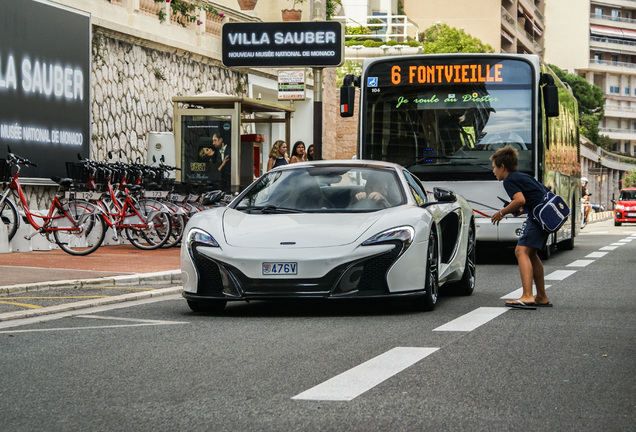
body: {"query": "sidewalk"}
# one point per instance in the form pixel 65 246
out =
pixel 122 265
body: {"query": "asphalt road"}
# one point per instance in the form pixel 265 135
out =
pixel 472 364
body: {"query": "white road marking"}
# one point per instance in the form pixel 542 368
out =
pixel 580 263
pixel 519 292
pixel 608 248
pixel 352 383
pixel 596 255
pixel 84 311
pixel 559 274
pixel 472 320
pixel 617 244
pixel 92 327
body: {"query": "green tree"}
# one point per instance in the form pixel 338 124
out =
pixel 629 178
pixel 442 38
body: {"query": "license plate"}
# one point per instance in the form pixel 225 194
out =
pixel 280 268
pixel 631 214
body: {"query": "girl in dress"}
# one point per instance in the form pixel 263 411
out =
pixel 277 155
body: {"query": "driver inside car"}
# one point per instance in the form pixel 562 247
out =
pixel 376 189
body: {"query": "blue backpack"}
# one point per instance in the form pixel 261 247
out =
pixel 552 212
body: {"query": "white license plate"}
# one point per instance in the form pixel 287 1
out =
pixel 280 268
pixel 631 214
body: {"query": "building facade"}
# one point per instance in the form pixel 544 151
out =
pixel 605 55
pixel 510 26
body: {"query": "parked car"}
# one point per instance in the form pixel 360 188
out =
pixel 597 207
pixel 625 206
pixel 331 230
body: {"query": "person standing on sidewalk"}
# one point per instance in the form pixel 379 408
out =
pixel 525 193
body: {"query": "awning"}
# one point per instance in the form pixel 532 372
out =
pixel 507 36
pixel 606 31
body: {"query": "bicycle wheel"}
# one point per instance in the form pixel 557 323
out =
pixel 178 222
pixel 156 234
pixel 79 229
pixel 9 217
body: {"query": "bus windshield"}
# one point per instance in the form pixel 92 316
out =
pixel 442 118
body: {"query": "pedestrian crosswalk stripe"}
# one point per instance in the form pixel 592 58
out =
pixel 472 320
pixel 352 383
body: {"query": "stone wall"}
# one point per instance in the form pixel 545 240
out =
pixel 133 86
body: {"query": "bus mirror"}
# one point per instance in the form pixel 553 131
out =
pixel 551 100
pixel 347 100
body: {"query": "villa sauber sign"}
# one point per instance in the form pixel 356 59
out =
pixel 283 44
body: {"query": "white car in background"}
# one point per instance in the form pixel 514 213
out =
pixel 330 229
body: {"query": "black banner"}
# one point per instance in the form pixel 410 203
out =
pixel 44 84
pixel 283 44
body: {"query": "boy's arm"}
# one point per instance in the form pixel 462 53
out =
pixel 518 200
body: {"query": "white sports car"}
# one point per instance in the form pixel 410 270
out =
pixel 330 229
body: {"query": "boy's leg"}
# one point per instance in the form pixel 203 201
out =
pixel 539 277
pixel 524 258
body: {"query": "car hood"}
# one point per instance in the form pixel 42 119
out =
pixel 300 229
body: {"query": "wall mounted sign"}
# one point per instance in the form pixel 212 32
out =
pixel 44 84
pixel 283 44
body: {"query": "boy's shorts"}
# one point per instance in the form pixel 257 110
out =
pixel 532 235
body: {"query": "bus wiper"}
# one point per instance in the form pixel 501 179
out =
pixel 430 158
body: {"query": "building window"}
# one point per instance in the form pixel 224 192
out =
pixel 614 58
pixel 627 91
pixel 616 15
pixel 598 12
pixel 598 56
pixel 614 89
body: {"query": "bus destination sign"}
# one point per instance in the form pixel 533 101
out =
pixel 447 74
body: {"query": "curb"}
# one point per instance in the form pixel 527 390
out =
pixel 159 278
pixel 30 313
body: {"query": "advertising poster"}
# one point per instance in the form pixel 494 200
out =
pixel 206 150
pixel 44 84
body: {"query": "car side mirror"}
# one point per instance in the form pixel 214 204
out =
pixel 444 195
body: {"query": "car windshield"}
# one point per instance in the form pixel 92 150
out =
pixel 627 195
pixel 323 189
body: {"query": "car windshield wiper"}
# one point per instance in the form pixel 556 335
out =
pixel 268 209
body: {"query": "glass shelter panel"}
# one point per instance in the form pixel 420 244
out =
pixel 205 150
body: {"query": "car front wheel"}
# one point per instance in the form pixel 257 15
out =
pixel 428 301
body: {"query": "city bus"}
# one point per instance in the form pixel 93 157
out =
pixel 443 116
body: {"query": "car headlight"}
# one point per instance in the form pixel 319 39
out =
pixel 404 234
pixel 620 206
pixel 198 236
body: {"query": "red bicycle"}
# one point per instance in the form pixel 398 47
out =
pixel 77 225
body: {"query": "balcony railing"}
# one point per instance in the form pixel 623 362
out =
pixel 386 27
pixel 613 18
pixel 603 39
pixel 612 63
pixel 206 21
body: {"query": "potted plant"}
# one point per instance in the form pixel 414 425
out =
pixel 247 4
pixel 293 14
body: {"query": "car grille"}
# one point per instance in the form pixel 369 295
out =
pixel 360 278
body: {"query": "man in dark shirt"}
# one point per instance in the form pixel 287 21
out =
pixel 525 193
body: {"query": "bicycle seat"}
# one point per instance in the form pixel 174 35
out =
pixel 65 182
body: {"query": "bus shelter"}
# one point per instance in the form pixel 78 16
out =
pixel 209 145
